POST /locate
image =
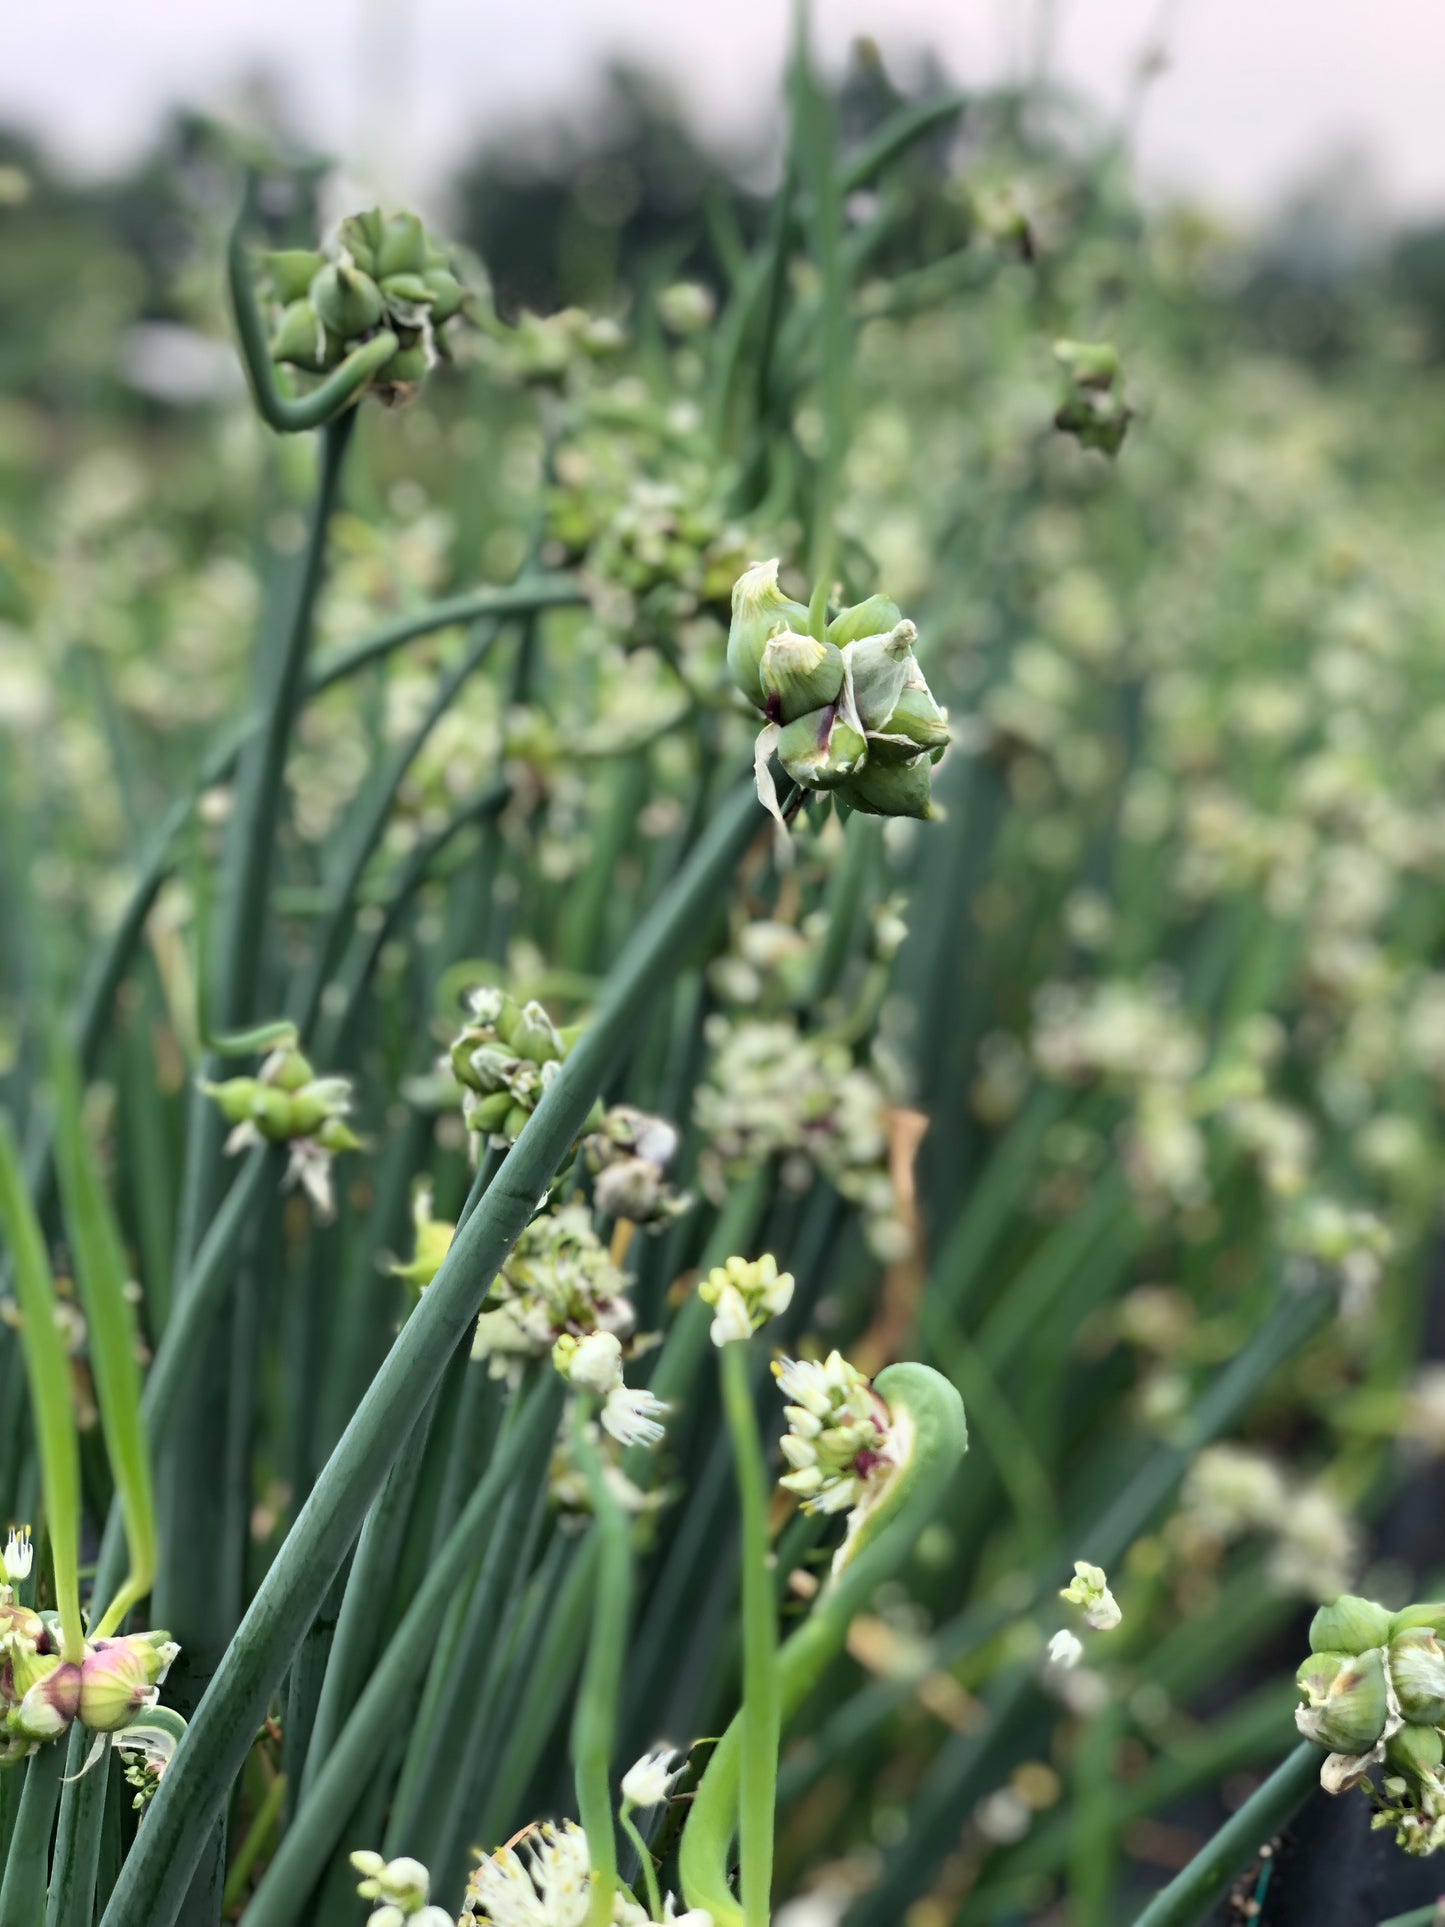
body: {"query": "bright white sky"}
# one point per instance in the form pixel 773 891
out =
pixel 1256 92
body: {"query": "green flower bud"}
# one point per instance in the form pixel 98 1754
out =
pixel 798 673
pixel 235 1098
pixel 273 1113
pixel 484 1068
pixel 1093 408
pixel 878 616
pixel 288 1070
pixel 1428 1615
pixel 1088 364
pixel 515 1122
pixel 1352 1715
pixel 291 272
pixel 1317 1675
pixel 300 338
pixel 406 290
pixel 917 718
pixel 530 1032
pixel 1416 1749
pixel 883 667
pixel 360 236
pixel 895 789
pixel 335 1134
pixel 1350 1625
pixel 1417 1666
pixel 347 300
pixel 446 293
pixel 406 366
pixel 316 1101
pixel 820 750
pixel 120 1676
pixel 402 248
pixel 487 1113
pixel 760 609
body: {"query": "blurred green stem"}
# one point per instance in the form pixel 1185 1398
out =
pixel 762 1705
pixel 594 1724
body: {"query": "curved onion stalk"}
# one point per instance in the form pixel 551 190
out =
pixel 154 1877
pixel 883 1544
pixel 290 415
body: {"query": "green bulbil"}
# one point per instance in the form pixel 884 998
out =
pixel 360 237
pixel 883 667
pixel 291 272
pixel 1317 1674
pixel 445 291
pixel 798 674
pixel 1349 1625
pixel 896 789
pixel 533 1035
pixel 402 248
pixel 916 718
pixel 1427 1614
pixel 299 338
pixel 760 610
pixel 348 301
pixel 1417 1666
pixel 407 365
pixel 409 290
pixel 1352 1714
pixel 820 750
pixel 877 616
pixel 1416 1749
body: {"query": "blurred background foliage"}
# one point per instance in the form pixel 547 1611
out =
pixel 1167 983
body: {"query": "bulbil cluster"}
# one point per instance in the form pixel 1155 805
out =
pixel 287 1103
pixel 848 711
pixel 42 1693
pixel 504 1059
pixel 1374 1694
pixel 384 272
pixel 837 1440
pixel 1093 408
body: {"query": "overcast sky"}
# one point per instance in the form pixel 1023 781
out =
pixel 1255 93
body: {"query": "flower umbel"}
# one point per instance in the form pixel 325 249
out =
pixel 1089 1591
pixel 838 1439
pixel 400 1888
pixel 744 1295
pixel 556 1279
